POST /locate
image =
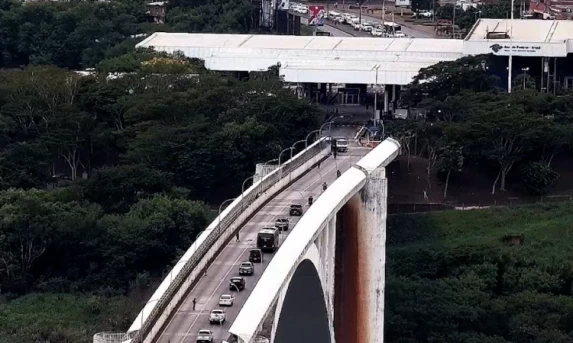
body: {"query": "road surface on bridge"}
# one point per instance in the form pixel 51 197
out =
pixel 185 324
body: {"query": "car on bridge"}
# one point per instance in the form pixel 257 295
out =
pixel 237 283
pixel 255 256
pixel 282 224
pixel 295 210
pixel 341 144
pixel 226 300
pixel 204 336
pixel 217 317
pixel 246 268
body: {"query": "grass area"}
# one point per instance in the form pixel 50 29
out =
pixel 547 229
pixel 63 318
pixel 453 276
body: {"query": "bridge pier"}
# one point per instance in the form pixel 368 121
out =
pixel 372 243
pixel 359 293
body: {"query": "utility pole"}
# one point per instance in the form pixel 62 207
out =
pixel 510 62
pixel 360 11
pixel 454 23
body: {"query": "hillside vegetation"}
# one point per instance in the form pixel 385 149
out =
pixel 490 276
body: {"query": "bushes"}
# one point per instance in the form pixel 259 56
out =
pixel 450 278
pixel 537 178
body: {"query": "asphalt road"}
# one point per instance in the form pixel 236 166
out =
pixel 342 30
pixel 187 322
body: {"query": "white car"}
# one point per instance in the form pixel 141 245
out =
pixel 226 300
pixel 204 336
pixel 366 26
pixel 217 316
pixel 400 35
pixel 377 32
pixel 355 24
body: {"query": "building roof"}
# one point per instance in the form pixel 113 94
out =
pixel 353 59
pixel 313 58
pixel 528 30
pixel 306 43
pixel 520 37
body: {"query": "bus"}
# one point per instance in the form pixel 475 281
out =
pixel 268 239
pixel 392 28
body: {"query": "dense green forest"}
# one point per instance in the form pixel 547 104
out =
pixel 105 182
pixel 81 34
pixel 490 276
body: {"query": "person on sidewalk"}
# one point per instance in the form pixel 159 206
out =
pixel 194 303
pixel 238 236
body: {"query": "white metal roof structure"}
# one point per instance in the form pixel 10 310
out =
pixel 530 38
pixel 313 59
pixel 365 60
pixel 287 258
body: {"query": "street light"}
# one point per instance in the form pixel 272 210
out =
pixel 320 130
pixel 220 208
pixel 524 70
pixel 301 141
pixel 289 148
pixel 243 190
pixel 310 133
pixel 269 161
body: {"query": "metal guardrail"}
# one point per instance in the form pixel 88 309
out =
pixel 246 200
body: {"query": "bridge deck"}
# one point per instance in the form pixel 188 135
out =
pixel 184 325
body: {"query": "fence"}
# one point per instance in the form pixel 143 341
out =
pixel 186 271
pixel 109 337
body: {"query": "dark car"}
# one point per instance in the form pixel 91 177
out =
pixel 255 256
pixel 295 210
pixel 282 224
pixel 237 283
pixel 246 268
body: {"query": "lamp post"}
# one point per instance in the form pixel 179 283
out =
pixel 295 143
pixel 329 128
pixel 510 60
pixel 524 70
pixel 310 133
pixel 376 117
pixel 243 190
pixel 289 148
pixel 220 208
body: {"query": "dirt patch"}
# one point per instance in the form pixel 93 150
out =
pixel 468 188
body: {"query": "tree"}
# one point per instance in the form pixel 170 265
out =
pixel 116 189
pixel 26 223
pixel 446 79
pixel 537 177
pixel 503 133
pixel 451 158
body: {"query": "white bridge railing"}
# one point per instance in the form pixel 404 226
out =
pixel 198 257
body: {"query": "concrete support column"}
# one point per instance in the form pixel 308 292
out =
pixel 330 233
pixel 372 244
pixel 386 95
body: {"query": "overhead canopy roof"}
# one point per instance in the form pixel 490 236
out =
pixel 313 59
pixel 539 38
pixel 355 59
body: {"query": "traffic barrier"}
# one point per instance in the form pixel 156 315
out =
pixel 207 246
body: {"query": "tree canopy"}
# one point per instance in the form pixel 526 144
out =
pixel 78 35
pixel 467 118
pixel 105 177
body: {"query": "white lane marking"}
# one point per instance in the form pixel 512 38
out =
pixel 230 269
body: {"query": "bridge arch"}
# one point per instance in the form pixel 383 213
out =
pixel 303 318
